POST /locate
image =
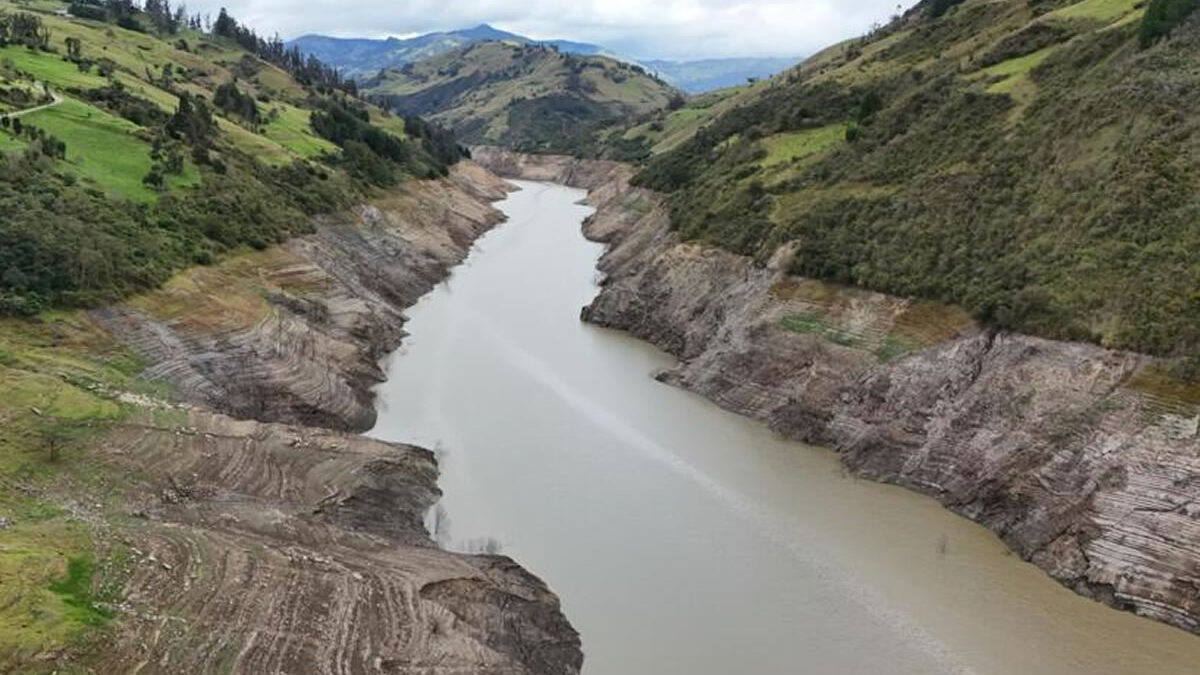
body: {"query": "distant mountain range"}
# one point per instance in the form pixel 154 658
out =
pixel 362 58
pixel 697 77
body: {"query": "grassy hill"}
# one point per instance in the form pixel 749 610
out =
pixel 1036 162
pixel 132 146
pixel 134 149
pixel 664 129
pixel 528 97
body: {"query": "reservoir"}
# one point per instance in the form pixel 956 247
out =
pixel 683 538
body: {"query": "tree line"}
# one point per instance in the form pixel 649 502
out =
pixel 308 70
pixel 166 20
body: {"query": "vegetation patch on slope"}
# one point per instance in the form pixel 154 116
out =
pixel 139 145
pixel 135 143
pixel 56 577
pixel 1050 191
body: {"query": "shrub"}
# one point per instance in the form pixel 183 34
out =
pixel 1162 16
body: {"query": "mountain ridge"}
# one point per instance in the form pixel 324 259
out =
pixel 704 75
pixel 524 96
pixel 366 57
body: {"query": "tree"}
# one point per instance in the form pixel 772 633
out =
pixel 1162 16
pixel 74 49
pixel 54 432
pixel 225 25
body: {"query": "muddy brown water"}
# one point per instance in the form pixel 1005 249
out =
pixel 685 539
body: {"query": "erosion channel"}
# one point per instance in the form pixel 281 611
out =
pixel 683 538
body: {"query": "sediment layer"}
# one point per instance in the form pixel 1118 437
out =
pixel 266 538
pixel 264 548
pixel 294 335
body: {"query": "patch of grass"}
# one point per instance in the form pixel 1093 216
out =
pixel 1097 10
pixel 637 204
pixel 75 590
pixel 893 347
pixel 393 124
pixel 1020 65
pixel 1157 381
pixel 36 555
pixel 165 100
pixel 53 373
pixel 9 143
pixel 807 323
pixel 260 147
pixel 813 323
pixel 291 129
pixel 50 68
pixel 801 145
pixel 810 290
pixel 103 149
pixel 926 323
pixel 224 297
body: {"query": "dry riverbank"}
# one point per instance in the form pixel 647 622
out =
pixel 242 527
pixel 1085 461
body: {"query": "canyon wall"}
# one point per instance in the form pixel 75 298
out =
pixel 1084 460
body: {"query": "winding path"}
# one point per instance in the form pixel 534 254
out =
pixel 21 113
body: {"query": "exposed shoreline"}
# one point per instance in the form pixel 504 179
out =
pixel 269 538
pixel 1054 446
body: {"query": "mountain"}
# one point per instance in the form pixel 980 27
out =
pixel 1035 163
pixel 697 77
pixel 523 96
pixel 362 58
pixel 359 57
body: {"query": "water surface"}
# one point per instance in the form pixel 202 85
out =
pixel 682 538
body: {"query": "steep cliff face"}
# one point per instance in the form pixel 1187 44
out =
pixel 274 543
pixel 1085 461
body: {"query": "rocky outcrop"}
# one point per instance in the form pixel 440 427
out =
pixel 276 543
pixel 1086 461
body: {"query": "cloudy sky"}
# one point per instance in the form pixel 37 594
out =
pixel 636 28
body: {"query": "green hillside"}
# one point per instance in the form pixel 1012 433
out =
pixel 133 145
pixel 136 145
pixel 1034 161
pixel 528 97
pixel 664 129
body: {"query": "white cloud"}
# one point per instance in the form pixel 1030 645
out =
pixel 638 28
